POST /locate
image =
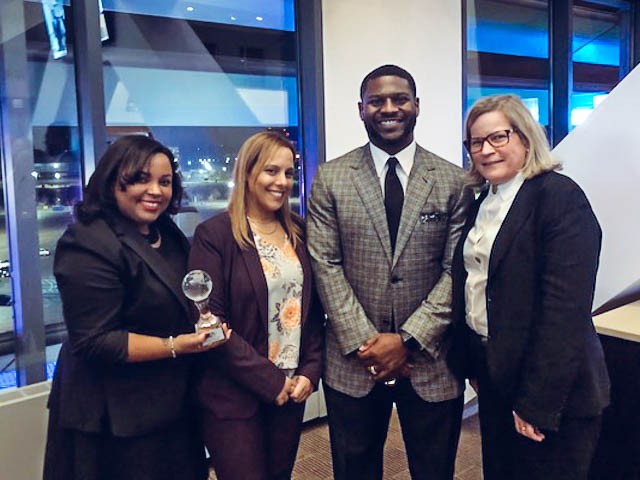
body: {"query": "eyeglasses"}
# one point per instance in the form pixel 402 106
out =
pixel 496 139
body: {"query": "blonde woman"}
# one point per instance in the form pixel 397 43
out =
pixel 523 278
pixel 253 389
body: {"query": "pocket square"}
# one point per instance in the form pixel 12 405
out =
pixel 433 217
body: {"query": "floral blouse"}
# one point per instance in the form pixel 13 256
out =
pixel 283 272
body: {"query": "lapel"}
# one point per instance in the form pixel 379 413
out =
pixel 307 277
pixel 127 234
pixel 472 215
pixel 258 281
pixel 367 184
pixel 419 187
pixel 523 205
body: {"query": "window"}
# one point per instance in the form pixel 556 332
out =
pixel 200 78
pixel 508 52
pixel 201 86
pixel 7 371
pixel 600 53
pixel 46 125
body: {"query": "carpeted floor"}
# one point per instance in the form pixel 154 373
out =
pixel 314 455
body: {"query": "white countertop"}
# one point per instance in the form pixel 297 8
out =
pixel 622 322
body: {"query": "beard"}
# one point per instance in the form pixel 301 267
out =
pixel 391 144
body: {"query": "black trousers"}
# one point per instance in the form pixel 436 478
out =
pixel 358 430
pixel 175 452
pixel 507 455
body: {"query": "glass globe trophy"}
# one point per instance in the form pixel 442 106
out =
pixel 197 286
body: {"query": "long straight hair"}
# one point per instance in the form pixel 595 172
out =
pixel 254 154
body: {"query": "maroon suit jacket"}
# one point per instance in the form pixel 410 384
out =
pixel 236 377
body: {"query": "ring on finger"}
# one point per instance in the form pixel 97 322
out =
pixel 372 370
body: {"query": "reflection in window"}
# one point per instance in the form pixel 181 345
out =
pixel 600 54
pixel 201 87
pixel 7 360
pixel 54 129
pixel 56 148
pixel 508 52
pixel 273 15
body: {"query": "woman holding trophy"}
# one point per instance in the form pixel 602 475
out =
pixel 252 389
pixel 119 401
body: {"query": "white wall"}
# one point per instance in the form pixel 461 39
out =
pixel 422 36
pixel 603 156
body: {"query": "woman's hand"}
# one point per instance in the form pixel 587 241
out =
pixel 525 429
pixel 194 342
pixel 302 389
pixel 287 388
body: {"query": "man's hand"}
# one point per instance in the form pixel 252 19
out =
pixel 384 356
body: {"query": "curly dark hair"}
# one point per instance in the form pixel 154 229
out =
pixel 122 165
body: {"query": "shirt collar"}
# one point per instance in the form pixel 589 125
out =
pixel 507 191
pixel 405 157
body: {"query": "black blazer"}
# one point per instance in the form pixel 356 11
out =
pixel 238 375
pixel 543 352
pixel 111 283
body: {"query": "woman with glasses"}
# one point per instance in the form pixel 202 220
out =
pixel 523 281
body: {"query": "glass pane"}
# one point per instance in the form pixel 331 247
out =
pixel 55 141
pixel 276 15
pixel 7 364
pixel 600 54
pixel 200 87
pixel 508 52
pixel 49 85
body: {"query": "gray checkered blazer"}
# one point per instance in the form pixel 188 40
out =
pixel 361 284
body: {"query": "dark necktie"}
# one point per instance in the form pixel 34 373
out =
pixel 393 199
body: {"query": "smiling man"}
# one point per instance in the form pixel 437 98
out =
pixel 383 222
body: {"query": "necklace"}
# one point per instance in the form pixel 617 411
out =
pixel 254 226
pixel 153 236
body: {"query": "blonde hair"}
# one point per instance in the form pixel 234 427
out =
pixel 538 157
pixel 255 152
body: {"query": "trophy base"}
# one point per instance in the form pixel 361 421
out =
pixel 213 336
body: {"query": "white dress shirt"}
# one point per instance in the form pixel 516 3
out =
pixel 405 163
pixel 477 251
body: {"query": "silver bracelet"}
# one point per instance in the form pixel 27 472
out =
pixel 172 347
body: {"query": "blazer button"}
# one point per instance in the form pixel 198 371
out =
pixel 395 279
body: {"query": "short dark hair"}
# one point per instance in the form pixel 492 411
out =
pixel 121 165
pixel 388 70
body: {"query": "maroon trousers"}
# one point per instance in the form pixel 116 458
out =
pixel 261 447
